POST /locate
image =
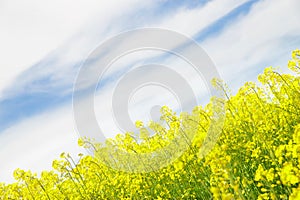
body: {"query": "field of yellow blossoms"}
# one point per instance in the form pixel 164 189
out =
pixel 257 155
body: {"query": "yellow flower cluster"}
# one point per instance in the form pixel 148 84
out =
pixel 257 155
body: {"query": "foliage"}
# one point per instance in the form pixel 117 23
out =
pixel 257 155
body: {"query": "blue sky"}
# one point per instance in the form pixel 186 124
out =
pixel 44 45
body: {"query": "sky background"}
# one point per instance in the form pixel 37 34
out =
pixel 44 43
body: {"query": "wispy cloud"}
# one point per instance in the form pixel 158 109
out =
pixel 50 81
pixel 31 29
pixel 263 37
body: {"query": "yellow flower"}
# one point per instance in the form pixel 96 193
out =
pixel 259 173
pixel 139 124
pixel 178 165
pixel 295 194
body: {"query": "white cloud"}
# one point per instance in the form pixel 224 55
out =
pixel 62 72
pixel 35 142
pixel 31 30
pixel 147 96
pixel 256 39
pixel 191 21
